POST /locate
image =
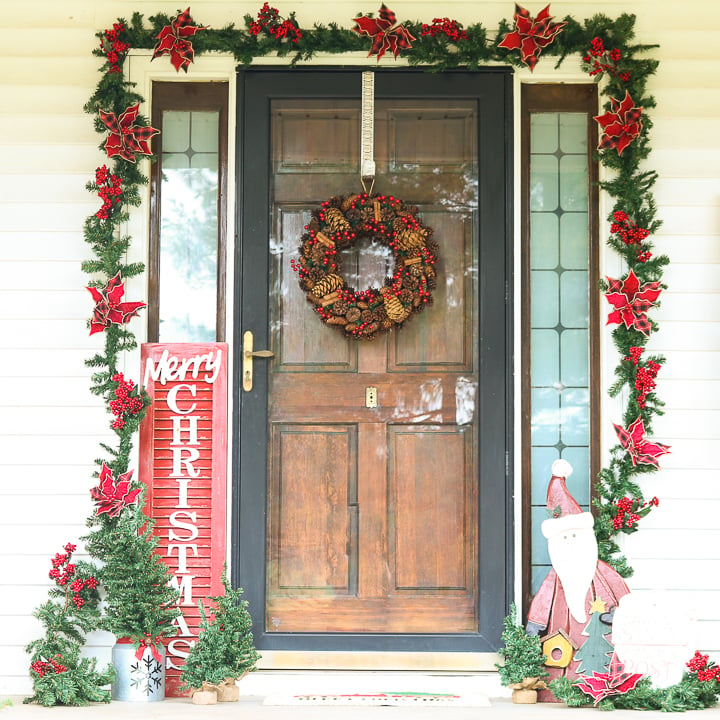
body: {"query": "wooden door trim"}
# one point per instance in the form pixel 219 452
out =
pixel 492 87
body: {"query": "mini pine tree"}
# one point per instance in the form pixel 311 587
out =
pixel 224 648
pixel 522 653
pixel 60 676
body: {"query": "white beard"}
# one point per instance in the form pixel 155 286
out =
pixel 574 556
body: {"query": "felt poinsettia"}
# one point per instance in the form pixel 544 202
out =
pixel 112 497
pixel 621 125
pixel 172 40
pixel 531 35
pixel 614 682
pixel 125 138
pixel 640 451
pixel 384 31
pixel 631 301
pixel 109 309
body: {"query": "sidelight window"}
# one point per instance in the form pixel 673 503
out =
pixel 188 211
pixel 559 265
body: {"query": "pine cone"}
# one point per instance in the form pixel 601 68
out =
pixel 399 224
pixel 327 285
pixel 336 220
pixel 379 313
pixel 336 320
pixel 367 212
pixel 416 270
pixel 353 215
pixel 316 274
pixel 394 308
pixel 349 200
pixel 406 297
pixel 340 307
pixel 366 316
pixel 353 314
pixel 410 239
pixel 386 323
pixel 410 281
pixel 387 214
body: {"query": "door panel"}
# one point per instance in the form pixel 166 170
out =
pixel 372 522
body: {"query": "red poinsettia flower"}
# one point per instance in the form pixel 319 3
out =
pixel 621 124
pixel 171 41
pixel 614 682
pixel 385 33
pixel 531 35
pixel 640 451
pixel 108 308
pixel 631 301
pixel 112 497
pixel 126 138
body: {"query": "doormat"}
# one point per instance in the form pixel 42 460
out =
pixel 397 699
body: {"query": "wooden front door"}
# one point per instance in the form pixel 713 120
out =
pixel 375 527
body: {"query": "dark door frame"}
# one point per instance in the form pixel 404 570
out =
pixel 492 88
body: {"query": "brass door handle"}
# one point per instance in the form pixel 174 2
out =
pixel 247 361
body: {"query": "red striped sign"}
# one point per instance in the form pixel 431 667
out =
pixel 183 461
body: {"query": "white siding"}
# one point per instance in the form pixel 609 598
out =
pixel 50 424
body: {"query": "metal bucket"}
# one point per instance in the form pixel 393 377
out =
pixel 138 680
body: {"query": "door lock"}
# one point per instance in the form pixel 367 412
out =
pixel 247 360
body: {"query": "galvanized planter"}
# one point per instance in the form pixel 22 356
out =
pixel 138 679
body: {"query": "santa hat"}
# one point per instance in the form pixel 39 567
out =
pixel 566 514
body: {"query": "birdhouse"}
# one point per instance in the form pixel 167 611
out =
pixel 558 648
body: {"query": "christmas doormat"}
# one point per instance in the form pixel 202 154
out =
pixel 397 699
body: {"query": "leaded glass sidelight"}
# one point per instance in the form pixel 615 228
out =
pixel 188 209
pixel 558 324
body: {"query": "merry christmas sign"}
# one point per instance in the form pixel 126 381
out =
pixel 183 462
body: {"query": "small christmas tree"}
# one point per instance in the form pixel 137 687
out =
pixel 60 676
pixel 224 650
pixel 141 604
pixel 524 666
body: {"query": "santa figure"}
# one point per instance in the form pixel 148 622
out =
pixel 578 586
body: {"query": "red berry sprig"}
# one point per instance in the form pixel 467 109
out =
pixel 704 670
pixel 599 60
pixel 269 20
pixel 444 26
pixel 42 667
pixel 63 572
pixel 127 402
pixel 109 190
pixel 630 234
pixel 629 512
pixel 113 48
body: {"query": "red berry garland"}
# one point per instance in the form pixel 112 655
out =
pixel 338 224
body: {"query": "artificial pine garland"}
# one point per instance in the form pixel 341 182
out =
pixel 609 54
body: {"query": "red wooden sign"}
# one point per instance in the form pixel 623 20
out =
pixel 183 461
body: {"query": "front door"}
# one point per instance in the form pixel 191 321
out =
pixel 381 527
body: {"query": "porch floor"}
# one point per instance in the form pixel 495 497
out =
pixel 274 686
pixel 251 708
